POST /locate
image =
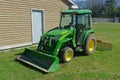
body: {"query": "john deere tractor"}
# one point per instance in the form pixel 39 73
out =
pixel 59 44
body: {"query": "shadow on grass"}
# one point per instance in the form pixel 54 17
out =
pixel 77 54
pixel 30 67
pixel 18 54
pixel 26 65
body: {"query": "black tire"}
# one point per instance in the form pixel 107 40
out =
pixel 66 54
pixel 90 45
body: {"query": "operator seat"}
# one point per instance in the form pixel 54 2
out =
pixel 79 30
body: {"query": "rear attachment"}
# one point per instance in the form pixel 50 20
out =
pixel 40 60
pixel 102 46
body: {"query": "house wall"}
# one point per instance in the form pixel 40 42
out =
pixel 15 20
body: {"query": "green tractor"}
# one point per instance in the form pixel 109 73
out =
pixel 59 44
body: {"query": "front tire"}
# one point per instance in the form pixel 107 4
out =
pixel 66 54
pixel 90 45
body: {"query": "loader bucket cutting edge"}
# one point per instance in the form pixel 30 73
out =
pixel 40 60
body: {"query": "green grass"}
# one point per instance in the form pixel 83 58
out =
pixel 102 65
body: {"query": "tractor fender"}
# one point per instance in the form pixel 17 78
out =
pixel 65 39
pixel 86 34
pixel 61 44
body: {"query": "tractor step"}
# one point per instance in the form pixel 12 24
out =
pixel 79 49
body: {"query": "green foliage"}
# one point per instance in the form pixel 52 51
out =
pixel 101 8
pixel 111 8
pixel 118 13
pixel 96 6
pixel 96 11
pixel 102 65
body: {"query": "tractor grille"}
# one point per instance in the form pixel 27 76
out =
pixel 49 44
pixel 53 43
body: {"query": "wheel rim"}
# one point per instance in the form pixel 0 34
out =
pixel 91 45
pixel 69 55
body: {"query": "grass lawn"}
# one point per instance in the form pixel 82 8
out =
pixel 102 65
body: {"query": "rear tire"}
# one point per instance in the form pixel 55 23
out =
pixel 66 54
pixel 90 45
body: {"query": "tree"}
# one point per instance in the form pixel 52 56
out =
pixel 101 8
pixel 80 4
pixel 97 7
pixel 118 13
pixel 111 9
pixel 118 8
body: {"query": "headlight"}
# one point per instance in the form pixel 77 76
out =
pixel 56 38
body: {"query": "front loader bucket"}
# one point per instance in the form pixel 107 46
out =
pixel 40 60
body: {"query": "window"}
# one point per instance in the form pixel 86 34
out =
pixel 84 19
pixel 66 20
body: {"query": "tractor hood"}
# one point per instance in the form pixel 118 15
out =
pixel 57 32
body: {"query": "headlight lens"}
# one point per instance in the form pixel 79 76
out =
pixel 56 38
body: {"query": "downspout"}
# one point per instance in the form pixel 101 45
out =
pixel 73 5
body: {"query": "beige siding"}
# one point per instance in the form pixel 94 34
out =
pixel 15 19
